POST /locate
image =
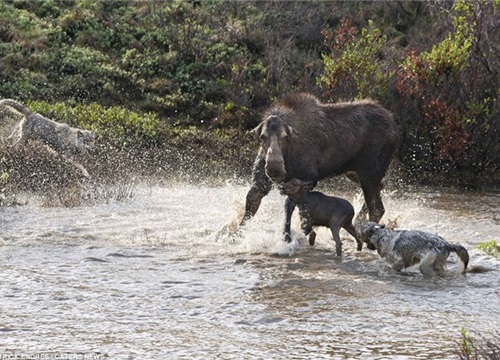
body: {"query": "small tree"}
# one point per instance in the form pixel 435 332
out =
pixel 354 67
pixel 451 103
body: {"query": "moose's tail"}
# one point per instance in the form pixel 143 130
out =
pixel 463 256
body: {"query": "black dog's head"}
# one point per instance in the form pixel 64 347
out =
pixel 295 188
pixel 366 231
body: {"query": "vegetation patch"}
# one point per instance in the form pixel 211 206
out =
pixel 491 247
pixel 479 347
pixel 183 79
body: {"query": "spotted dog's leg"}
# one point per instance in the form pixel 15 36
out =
pixel 427 265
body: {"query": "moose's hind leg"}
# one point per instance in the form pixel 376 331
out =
pixel 312 238
pixel 373 201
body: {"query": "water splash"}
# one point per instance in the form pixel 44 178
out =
pixel 152 274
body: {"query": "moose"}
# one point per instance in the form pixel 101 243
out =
pixel 306 139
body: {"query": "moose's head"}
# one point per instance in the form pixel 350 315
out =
pixel 274 134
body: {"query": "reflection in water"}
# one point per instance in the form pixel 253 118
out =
pixel 150 279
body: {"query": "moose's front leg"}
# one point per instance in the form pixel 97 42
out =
pixel 261 186
pixel 289 207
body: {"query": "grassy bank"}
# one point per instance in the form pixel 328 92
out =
pixel 188 75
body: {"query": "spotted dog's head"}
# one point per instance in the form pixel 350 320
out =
pixel 366 231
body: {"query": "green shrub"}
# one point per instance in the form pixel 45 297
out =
pixel 478 347
pixel 467 348
pixel 353 66
pixel 448 98
pixel 491 247
pixel 452 54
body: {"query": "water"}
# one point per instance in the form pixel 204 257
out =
pixel 149 279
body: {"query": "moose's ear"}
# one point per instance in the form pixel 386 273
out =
pixel 290 131
pixel 257 131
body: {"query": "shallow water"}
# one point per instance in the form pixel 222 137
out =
pixel 150 278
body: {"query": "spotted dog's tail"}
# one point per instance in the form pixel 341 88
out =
pixel 17 106
pixel 463 256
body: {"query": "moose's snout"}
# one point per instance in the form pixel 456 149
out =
pixel 275 166
pixel 275 171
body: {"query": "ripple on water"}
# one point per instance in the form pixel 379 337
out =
pixel 149 279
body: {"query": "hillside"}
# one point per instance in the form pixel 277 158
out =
pixel 183 81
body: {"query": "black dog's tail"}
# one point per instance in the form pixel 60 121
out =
pixel 463 255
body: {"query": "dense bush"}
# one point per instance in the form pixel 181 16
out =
pixel 451 96
pixel 353 67
pixel 217 64
pixel 446 98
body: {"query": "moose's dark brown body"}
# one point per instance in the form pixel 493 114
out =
pixel 305 139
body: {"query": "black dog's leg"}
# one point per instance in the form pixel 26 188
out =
pixel 336 237
pixel 351 230
pixel 307 226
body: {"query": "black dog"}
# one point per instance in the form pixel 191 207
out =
pixel 318 209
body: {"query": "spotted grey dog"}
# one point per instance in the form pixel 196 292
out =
pixel 318 209
pixel 405 248
pixel 61 138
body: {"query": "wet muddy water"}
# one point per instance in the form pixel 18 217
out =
pixel 150 278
